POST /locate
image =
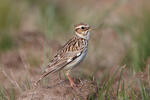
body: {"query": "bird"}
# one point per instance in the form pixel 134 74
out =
pixel 70 54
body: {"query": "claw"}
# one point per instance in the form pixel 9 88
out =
pixel 73 85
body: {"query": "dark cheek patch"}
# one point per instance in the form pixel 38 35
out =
pixel 79 31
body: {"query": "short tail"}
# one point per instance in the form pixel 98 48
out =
pixel 42 76
pixel 52 70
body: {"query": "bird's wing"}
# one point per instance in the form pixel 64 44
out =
pixel 69 52
pixel 59 65
pixel 72 48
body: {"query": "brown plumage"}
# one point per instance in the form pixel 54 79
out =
pixel 70 54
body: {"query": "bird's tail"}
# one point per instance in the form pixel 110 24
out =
pixel 51 70
pixel 42 76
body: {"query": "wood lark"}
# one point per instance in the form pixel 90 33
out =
pixel 71 54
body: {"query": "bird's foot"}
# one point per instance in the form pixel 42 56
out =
pixel 73 85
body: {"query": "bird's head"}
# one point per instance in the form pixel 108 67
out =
pixel 82 30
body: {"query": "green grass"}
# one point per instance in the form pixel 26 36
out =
pixel 7 95
pixel 9 21
pixel 137 27
pixel 6 42
pixel 9 15
pixel 2 94
pixel 107 91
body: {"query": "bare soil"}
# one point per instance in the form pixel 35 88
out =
pixel 62 91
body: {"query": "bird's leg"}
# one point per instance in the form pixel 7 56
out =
pixel 70 80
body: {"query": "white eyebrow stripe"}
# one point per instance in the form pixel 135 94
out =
pixel 82 26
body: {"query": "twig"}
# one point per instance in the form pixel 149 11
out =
pixel 10 79
pixel 17 85
pixel 7 94
pixel 26 66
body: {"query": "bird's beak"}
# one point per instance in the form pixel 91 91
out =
pixel 91 28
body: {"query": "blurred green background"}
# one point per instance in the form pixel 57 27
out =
pixel 32 30
pixel 55 20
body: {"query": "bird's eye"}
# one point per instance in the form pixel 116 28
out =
pixel 82 27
